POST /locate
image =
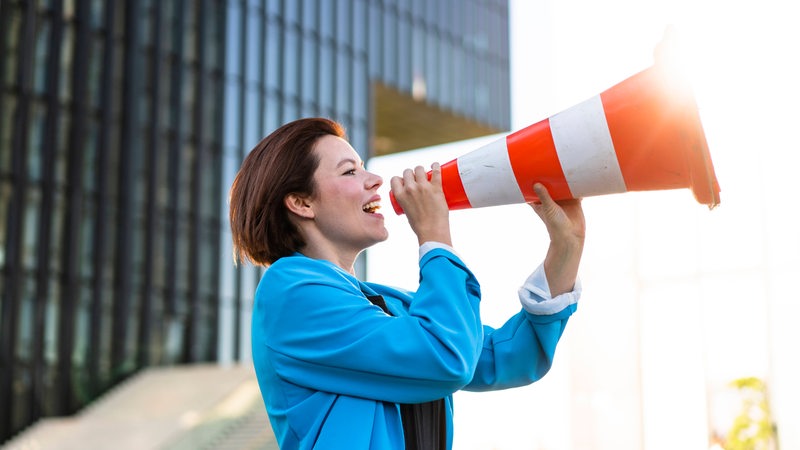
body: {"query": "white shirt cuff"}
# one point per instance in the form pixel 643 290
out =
pixel 430 245
pixel 535 295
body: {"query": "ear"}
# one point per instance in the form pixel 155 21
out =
pixel 299 205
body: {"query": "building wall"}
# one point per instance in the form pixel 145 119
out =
pixel 110 144
pixel 122 125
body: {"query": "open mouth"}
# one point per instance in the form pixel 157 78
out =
pixel 371 207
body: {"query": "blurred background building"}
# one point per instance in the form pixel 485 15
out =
pixel 122 125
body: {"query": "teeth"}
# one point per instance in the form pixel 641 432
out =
pixel 371 207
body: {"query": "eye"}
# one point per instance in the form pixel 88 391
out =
pixel 350 172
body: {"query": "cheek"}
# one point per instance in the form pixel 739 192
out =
pixel 346 190
pixel 339 191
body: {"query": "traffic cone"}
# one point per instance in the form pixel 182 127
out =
pixel 642 134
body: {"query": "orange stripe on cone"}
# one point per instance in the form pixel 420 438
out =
pixel 658 138
pixel 534 159
pixel 452 186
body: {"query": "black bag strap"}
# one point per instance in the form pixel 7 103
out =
pixel 424 424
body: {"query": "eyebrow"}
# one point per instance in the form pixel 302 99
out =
pixel 349 160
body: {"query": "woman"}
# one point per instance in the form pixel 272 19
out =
pixel 346 364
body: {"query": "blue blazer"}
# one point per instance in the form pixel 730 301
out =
pixel 332 367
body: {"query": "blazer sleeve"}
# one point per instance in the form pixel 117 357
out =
pixel 317 330
pixel 520 352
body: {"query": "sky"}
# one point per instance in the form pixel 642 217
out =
pixel 678 300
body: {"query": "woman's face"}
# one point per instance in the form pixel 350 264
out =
pixel 346 200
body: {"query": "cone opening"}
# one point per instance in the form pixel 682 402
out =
pixel 704 183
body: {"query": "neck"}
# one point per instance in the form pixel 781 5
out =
pixel 345 260
pixel 318 246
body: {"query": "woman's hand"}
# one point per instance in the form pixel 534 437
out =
pixel 566 226
pixel 423 203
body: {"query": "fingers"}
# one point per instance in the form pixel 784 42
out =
pixel 546 201
pixel 423 203
pixel 420 174
pixel 407 179
pixel 564 218
pixel 396 183
pixel 413 182
pixel 417 175
pixel 436 174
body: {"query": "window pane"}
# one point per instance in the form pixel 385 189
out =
pixel 290 64
pixel 106 369
pixel 389 52
pixel 344 66
pixel 67 57
pixel 360 85
pixel 62 149
pixel 344 23
pixel 274 7
pixel 57 214
pixel 252 117
pixel 232 121
pixel 2 278
pixel 359 26
pixel 20 397
pixel 94 72
pixel 273 59
pixel 310 8
pixel 327 19
pixel 97 12
pixel 90 155
pixel 5 198
pixel 404 55
pixel 431 61
pixel 309 70
pixel 253 43
pixel 326 74
pixel 291 110
pixel 29 239
pixel 233 63
pixel 42 52
pixel 11 54
pixel 35 142
pixel 8 104
pixel 272 115
pixel 82 330
pixel 417 49
pixel 445 74
pixel 291 11
pixel 24 319
pixel 86 242
pixel 375 37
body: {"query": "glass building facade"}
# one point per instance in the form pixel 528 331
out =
pixel 122 125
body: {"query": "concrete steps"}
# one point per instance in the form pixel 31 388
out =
pixel 165 408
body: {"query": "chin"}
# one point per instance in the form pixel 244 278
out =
pixel 384 236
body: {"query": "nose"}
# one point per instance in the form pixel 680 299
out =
pixel 373 181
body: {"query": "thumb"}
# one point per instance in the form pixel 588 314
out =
pixel 546 204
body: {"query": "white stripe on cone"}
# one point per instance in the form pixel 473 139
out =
pixel 487 176
pixel 585 150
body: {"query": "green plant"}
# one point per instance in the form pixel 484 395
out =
pixel 753 428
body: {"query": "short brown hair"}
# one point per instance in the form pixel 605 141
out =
pixel 281 164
